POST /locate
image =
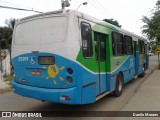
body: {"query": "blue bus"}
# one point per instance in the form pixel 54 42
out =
pixel 69 57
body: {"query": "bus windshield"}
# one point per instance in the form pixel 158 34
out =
pixel 41 31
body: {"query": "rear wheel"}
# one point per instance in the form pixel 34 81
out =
pixel 143 73
pixel 119 86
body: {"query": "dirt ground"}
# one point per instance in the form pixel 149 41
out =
pixel 8 89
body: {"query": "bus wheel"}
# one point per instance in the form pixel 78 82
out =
pixel 143 73
pixel 119 86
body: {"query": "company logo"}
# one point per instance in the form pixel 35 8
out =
pixel 6 114
pixel 21 114
pixel 53 71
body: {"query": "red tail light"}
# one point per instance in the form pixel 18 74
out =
pixel 69 79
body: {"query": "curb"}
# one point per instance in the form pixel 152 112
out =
pixel 144 79
pixel 135 91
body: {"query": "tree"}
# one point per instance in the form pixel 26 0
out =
pixel 10 23
pixel 6 34
pixel 152 24
pixel 152 27
pixel 112 21
pixel 158 4
pixel 6 37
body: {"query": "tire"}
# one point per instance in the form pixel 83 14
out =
pixel 119 86
pixel 143 73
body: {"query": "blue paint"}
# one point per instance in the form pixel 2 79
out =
pixel 83 89
pixel 51 95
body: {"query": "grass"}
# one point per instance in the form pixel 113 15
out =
pixel 9 79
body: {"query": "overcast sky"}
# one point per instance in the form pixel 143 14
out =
pixel 127 12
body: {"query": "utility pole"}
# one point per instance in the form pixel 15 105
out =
pixel 62 3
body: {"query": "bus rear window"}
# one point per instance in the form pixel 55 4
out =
pixel 41 31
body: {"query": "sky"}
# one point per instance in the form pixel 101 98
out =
pixel 127 12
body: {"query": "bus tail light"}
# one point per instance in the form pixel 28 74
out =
pixel 69 70
pixel 69 79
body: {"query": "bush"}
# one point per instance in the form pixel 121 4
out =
pixel 9 79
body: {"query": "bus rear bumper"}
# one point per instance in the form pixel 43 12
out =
pixel 66 96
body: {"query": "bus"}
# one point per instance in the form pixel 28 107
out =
pixel 68 57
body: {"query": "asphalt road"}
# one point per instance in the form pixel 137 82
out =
pixel 13 102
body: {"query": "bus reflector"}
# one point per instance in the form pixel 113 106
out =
pixel 65 98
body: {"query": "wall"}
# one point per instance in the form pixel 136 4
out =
pixel 5 66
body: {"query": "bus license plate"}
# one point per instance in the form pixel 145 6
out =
pixel 36 73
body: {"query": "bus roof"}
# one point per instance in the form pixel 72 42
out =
pixel 83 15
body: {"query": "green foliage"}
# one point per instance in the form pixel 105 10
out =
pixel 5 37
pixel 9 79
pixel 6 34
pixel 152 24
pixel 112 21
pixel 10 23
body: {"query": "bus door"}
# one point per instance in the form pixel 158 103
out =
pixel 136 57
pixel 100 59
pixel 147 56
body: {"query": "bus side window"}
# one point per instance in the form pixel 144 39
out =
pixel 141 47
pixel 100 46
pixel 128 45
pixel 86 35
pixel 117 44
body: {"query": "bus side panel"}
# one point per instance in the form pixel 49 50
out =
pixel 147 56
pixel 136 62
pixel 142 61
pixel 129 70
pixel 111 80
pixel 88 86
pixel 89 94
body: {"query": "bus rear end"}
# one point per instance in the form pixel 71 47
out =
pixel 42 61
